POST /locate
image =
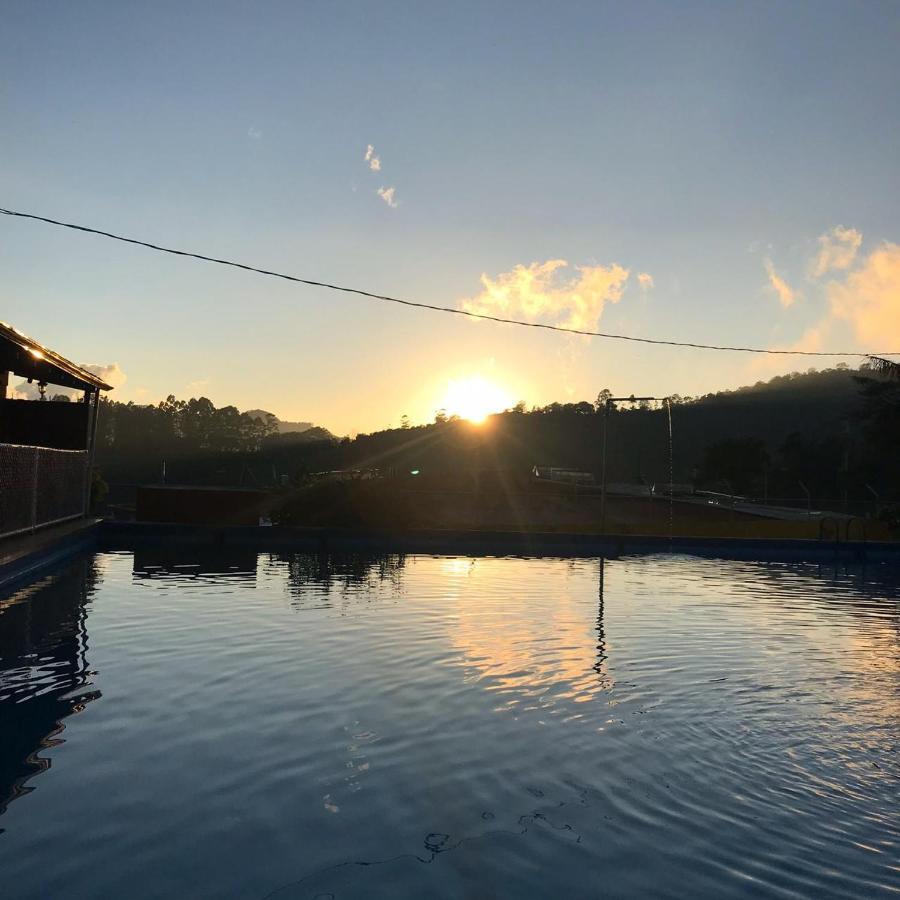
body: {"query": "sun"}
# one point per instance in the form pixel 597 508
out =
pixel 475 398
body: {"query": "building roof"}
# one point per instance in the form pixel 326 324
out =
pixel 25 357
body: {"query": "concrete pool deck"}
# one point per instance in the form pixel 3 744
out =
pixel 22 557
pixel 26 554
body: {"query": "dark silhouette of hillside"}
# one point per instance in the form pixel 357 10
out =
pixel 828 433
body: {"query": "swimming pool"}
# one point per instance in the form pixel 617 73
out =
pixel 192 724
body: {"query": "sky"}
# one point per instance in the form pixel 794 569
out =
pixel 705 172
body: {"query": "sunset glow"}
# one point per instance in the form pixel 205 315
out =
pixel 475 398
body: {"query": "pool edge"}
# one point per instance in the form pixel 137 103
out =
pixel 123 535
pixel 27 557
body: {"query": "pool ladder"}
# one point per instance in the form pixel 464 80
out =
pixel 858 543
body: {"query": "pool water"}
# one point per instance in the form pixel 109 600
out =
pixel 294 726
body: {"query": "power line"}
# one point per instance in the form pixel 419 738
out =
pixel 429 306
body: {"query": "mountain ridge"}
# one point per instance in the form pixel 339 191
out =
pixel 285 427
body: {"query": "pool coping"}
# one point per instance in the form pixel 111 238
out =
pixel 50 546
pixel 120 535
pixel 27 555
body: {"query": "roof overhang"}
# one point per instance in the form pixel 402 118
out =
pixel 25 357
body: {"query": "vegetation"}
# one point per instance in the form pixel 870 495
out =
pixel 135 442
pixel 829 435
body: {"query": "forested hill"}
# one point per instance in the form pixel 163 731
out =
pixel 801 426
pixel 809 401
pixel 814 427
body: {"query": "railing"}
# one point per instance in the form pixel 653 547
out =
pixel 40 486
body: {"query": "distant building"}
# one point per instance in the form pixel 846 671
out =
pixel 46 446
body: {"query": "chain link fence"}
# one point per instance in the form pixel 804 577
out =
pixel 40 486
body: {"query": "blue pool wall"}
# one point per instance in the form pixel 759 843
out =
pixel 125 536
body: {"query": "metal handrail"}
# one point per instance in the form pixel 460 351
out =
pixel 834 525
pixel 849 522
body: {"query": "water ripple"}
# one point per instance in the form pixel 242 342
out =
pixel 411 726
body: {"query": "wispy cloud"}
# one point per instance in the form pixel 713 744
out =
pixel 373 160
pixel 862 312
pixel 254 133
pixel 387 194
pixel 786 294
pixel 837 250
pixel 538 292
pixel 645 281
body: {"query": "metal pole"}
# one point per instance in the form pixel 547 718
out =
pixel 846 466
pixel 93 409
pixel 603 468
pixel 877 497
pixel 34 489
pixel 96 418
pixel 808 499
pixel 606 409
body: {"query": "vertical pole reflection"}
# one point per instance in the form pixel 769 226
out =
pixel 600 666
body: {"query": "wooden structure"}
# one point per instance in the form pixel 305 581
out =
pixel 46 447
pixel 192 505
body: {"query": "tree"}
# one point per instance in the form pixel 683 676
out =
pixel 602 397
pixel 816 462
pixel 881 402
pixel 204 444
pixel 735 463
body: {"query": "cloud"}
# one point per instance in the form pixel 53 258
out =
pixel 813 340
pixel 111 374
pixel 387 194
pixel 869 299
pixel 254 133
pixel 645 281
pixel 537 292
pixel 862 313
pixel 26 391
pixel 837 250
pixel 373 161
pixel 786 294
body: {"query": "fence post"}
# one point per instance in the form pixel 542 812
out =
pixel 92 410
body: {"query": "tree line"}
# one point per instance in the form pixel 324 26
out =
pixel 832 433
